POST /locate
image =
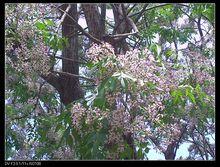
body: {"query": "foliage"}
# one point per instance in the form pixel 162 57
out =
pixel 154 96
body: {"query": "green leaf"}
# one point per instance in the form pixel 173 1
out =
pixel 95 150
pixel 116 74
pixel 168 53
pixel 9 110
pixel 123 75
pixel 154 49
pixel 65 42
pixel 59 126
pixel 75 134
pixel 91 138
pixel 90 65
pixel 192 98
pixel 112 83
pixel 122 82
pixel 69 141
pixel 101 91
pixel 40 25
pixel 53 42
pixel 146 150
pixel 151 85
pixel 105 123
pixel 101 87
pixel 140 154
pixel 61 116
pixel 51 39
pixel 144 145
pixel 198 89
pixel 65 136
pixel 210 14
pixel 43 133
pixel 182 38
pixel 128 151
pixel 49 22
pixel 99 102
pixel 68 118
pixel 67 132
pixel 60 43
pixel 101 137
pixel 189 94
pixel 176 94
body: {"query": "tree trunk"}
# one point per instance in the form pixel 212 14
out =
pixel 93 20
pixel 170 152
pixel 121 27
pixel 70 88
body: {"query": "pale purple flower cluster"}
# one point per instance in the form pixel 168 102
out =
pixel 89 115
pixel 31 51
pixel 32 59
pixel 63 153
pixel 98 52
pixel 204 73
pixel 143 68
pixel 153 84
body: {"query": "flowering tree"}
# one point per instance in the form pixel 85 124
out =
pixel 116 91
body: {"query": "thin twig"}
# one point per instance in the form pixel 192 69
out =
pixel 63 17
pixel 93 85
pixel 131 9
pixel 141 12
pixel 149 9
pixel 188 15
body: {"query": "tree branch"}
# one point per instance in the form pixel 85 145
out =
pixel 69 59
pixel 142 11
pixel 63 17
pixel 131 9
pixel 73 75
pixel 209 150
pixel 52 79
pixel 82 29
pixel 129 21
pixel 188 15
pixel 156 142
pixel 200 32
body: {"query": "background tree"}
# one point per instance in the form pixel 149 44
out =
pixel 143 77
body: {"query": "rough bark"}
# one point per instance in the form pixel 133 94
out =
pixel 170 151
pixel 67 85
pixel 102 19
pixel 120 26
pixel 123 25
pixel 70 88
pixel 93 20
